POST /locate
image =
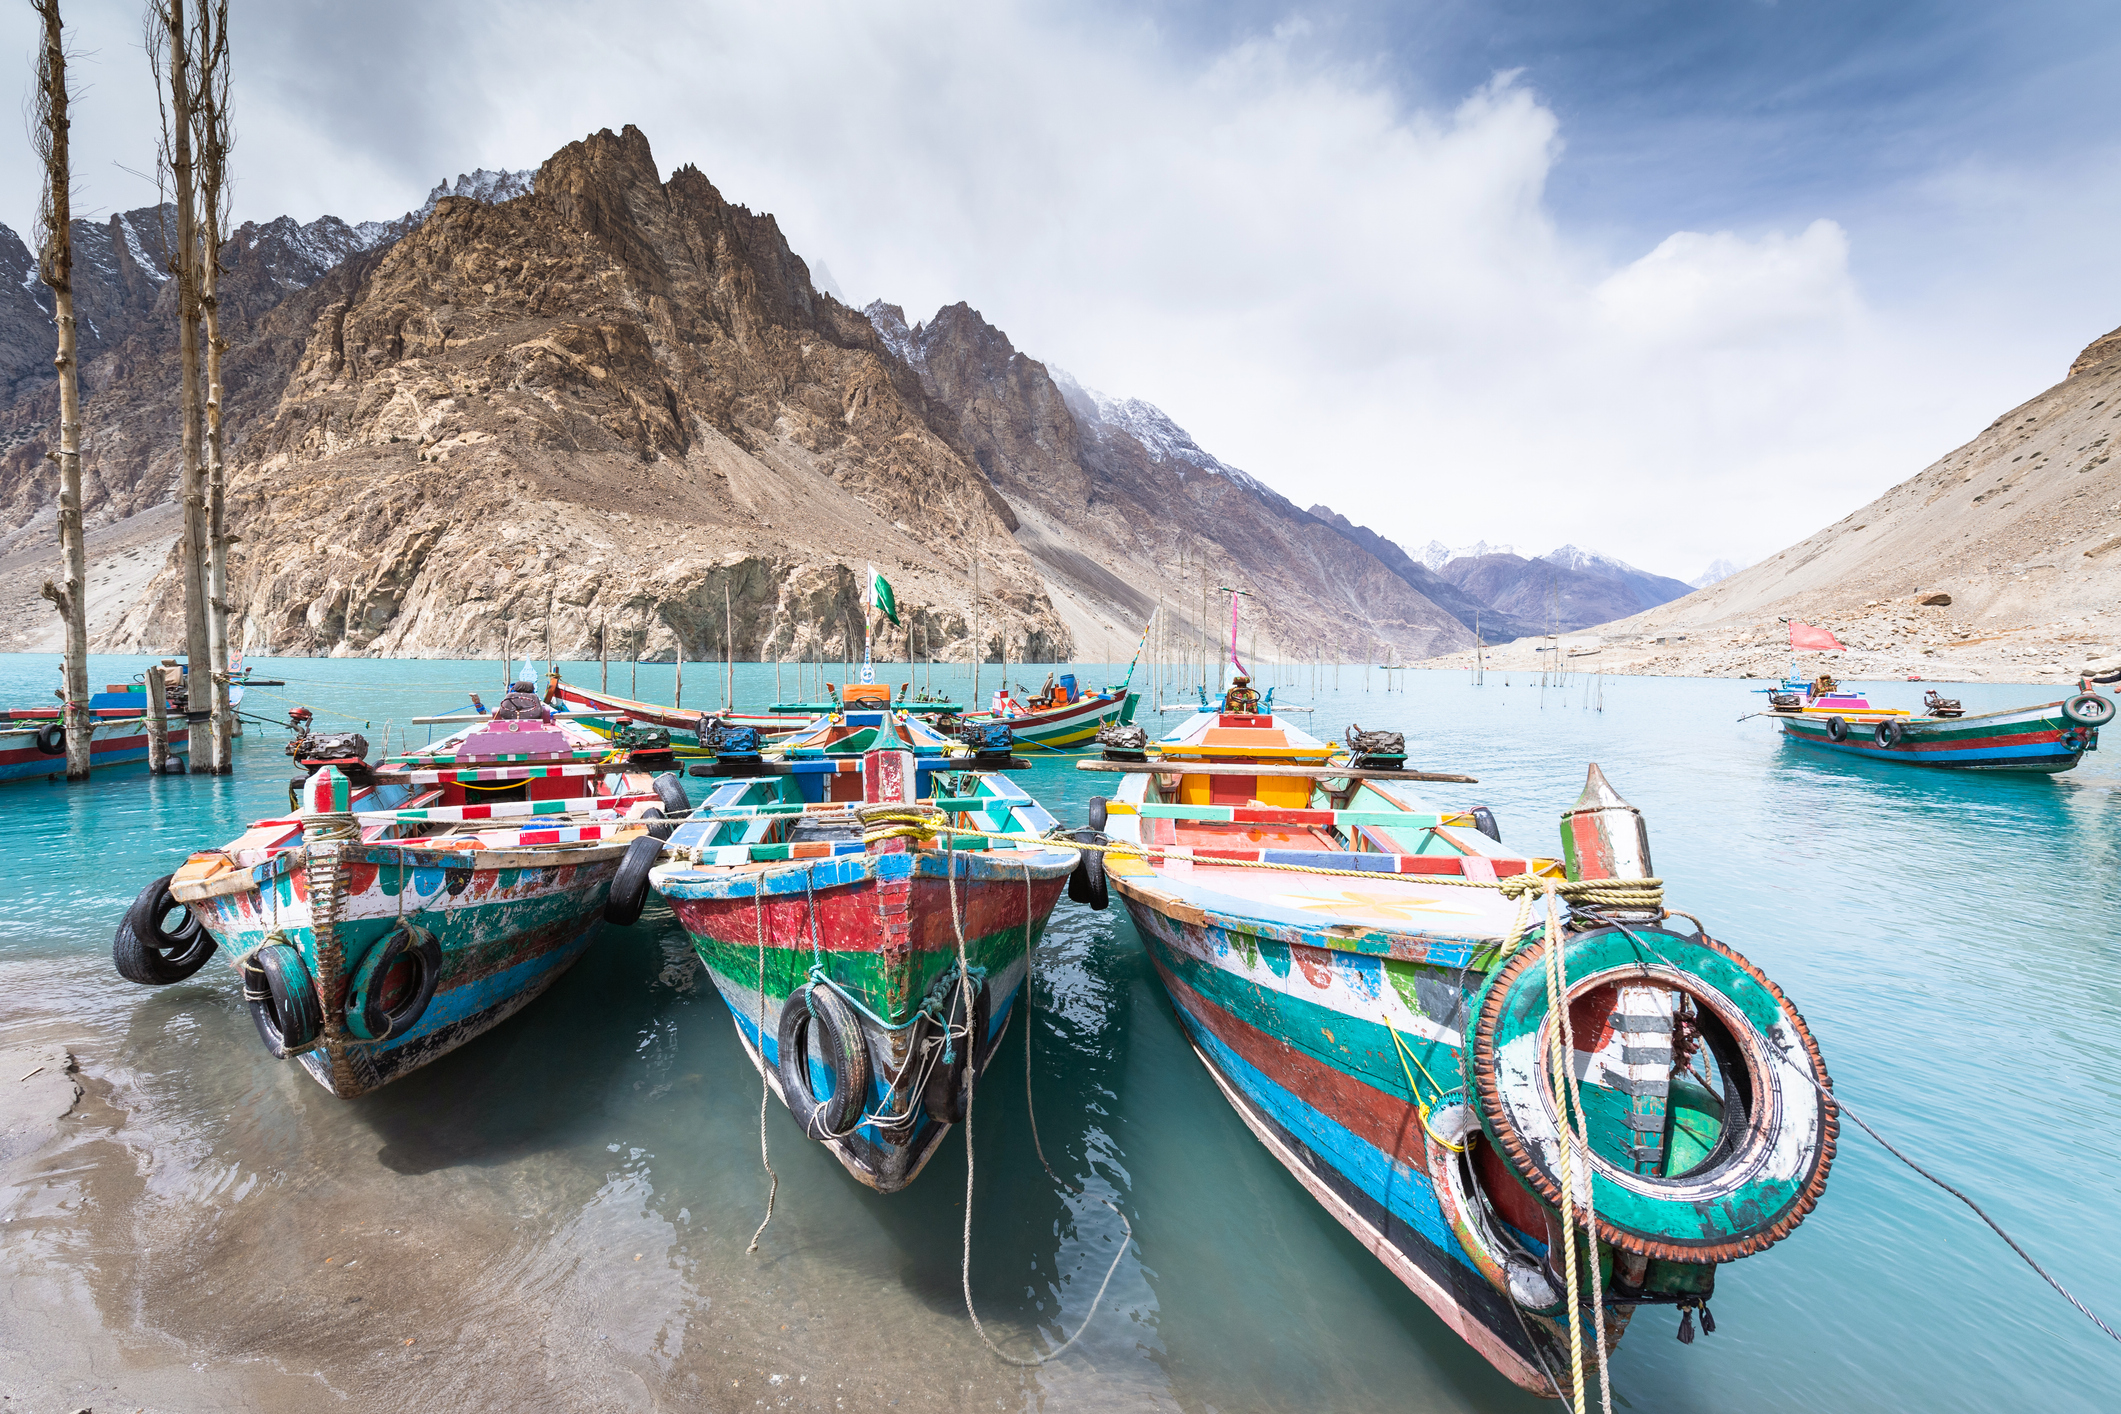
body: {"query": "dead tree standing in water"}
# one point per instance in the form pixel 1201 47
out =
pixel 209 95
pixel 56 267
pixel 169 41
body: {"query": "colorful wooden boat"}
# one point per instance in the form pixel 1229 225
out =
pixel 1062 715
pixel 391 920
pixel 1385 1029
pixel 33 742
pixel 870 954
pixel 2048 737
pixel 682 724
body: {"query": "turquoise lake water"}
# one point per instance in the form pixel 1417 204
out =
pixel 1953 940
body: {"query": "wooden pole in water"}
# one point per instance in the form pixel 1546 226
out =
pixel 157 723
pixel 728 650
pixel 603 661
pixel 680 699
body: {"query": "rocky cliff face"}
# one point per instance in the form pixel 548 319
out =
pixel 592 414
pixel 1122 510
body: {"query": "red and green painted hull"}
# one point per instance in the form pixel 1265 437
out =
pixel 1290 1033
pixel 112 742
pixel 879 926
pixel 2038 739
pixel 509 922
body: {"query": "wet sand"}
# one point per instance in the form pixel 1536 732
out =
pixel 192 1226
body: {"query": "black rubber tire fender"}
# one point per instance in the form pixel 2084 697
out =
pixel 1837 729
pixel 671 791
pixel 368 1016
pixel 1484 821
pixel 283 1000
pixel 51 740
pixel 2089 709
pixel 946 1094
pixel 148 951
pixel 1087 884
pixel 294 793
pixel 662 828
pixel 817 1024
pixel 1097 812
pixel 1889 734
pixel 629 886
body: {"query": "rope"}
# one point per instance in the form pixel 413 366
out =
pixel 1575 1128
pixel 1804 1067
pixel 758 901
pixel 957 921
pixel 1557 1065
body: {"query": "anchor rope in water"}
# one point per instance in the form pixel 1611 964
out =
pixel 1804 1067
pixel 957 920
pixel 758 899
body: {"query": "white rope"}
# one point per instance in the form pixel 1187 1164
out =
pixel 1575 1130
pixel 758 899
pixel 971 1073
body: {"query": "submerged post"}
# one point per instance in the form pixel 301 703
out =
pixel 157 723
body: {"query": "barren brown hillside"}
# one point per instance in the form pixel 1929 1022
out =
pixel 2021 528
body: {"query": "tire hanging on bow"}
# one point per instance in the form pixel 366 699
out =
pixel 1682 1169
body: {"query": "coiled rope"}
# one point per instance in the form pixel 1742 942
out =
pixel 957 920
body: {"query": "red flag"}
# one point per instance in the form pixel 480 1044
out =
pixel 1803 635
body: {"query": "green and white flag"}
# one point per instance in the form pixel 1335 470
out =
pixel 880 596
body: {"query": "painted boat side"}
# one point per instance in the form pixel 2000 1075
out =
pixel 879 926
pixel 2025 739
pixel 1337 1116
pixel 506 934
pixel 1071 725
pixel 110 744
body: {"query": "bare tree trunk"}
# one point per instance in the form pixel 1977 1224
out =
pixel 168 49
pixel 57 269
pixel 209 54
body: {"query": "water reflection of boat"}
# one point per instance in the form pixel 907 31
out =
pixel 2047 737
pixel 409 906
pixel 869 955
pixel 1374 985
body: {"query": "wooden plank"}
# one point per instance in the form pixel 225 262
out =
pixel 1316 773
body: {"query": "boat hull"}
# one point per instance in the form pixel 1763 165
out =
pixel 509 923
pixel 111 743
pixel 683 726
pixel 2036 739
pixel 1073 725
pixel 880 926
pixel 1256 1009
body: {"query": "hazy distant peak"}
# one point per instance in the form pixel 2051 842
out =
pixel 1436 554
pixel 1590 560
pixel 1719 569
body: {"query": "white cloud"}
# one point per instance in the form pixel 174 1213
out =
pixel 1357 301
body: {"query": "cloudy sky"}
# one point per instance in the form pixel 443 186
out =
pixel 1672 279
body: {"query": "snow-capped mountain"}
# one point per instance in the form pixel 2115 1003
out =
pixel 1436 554
pixel 1717 570
pixel 1151 426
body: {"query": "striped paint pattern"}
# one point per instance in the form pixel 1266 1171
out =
pixel 2031 739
